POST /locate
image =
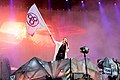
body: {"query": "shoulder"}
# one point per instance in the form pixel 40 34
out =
pixel 58 43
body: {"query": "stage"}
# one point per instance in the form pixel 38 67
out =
pixel 67 69
pixel 91 23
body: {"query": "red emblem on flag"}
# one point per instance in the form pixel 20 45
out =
pixel 32 20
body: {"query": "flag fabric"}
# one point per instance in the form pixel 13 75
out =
pixel 34 20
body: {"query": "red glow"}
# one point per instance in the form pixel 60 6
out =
pixel 15 29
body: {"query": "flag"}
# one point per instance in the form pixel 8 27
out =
pixel 34 20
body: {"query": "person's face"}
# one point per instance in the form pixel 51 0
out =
pixel 64 40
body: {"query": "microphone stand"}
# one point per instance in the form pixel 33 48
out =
pixel 86 75
pixel 85 50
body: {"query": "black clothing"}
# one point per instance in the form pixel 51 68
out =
pixel 61 52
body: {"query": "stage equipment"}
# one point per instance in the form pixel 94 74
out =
pixel 85 51
pixel 118 65
pixel 109 67
pixel 66 69
pixel 100 63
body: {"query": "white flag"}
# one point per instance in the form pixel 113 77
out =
pixel 34 20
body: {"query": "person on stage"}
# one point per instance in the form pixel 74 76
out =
pixel 35 21
pixel 61 48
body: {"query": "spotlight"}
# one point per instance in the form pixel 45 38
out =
pixel 84 49
pixel 99 3
pixel 114 3
pixel 81 1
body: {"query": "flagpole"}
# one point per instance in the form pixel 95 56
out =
pixel 48 30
